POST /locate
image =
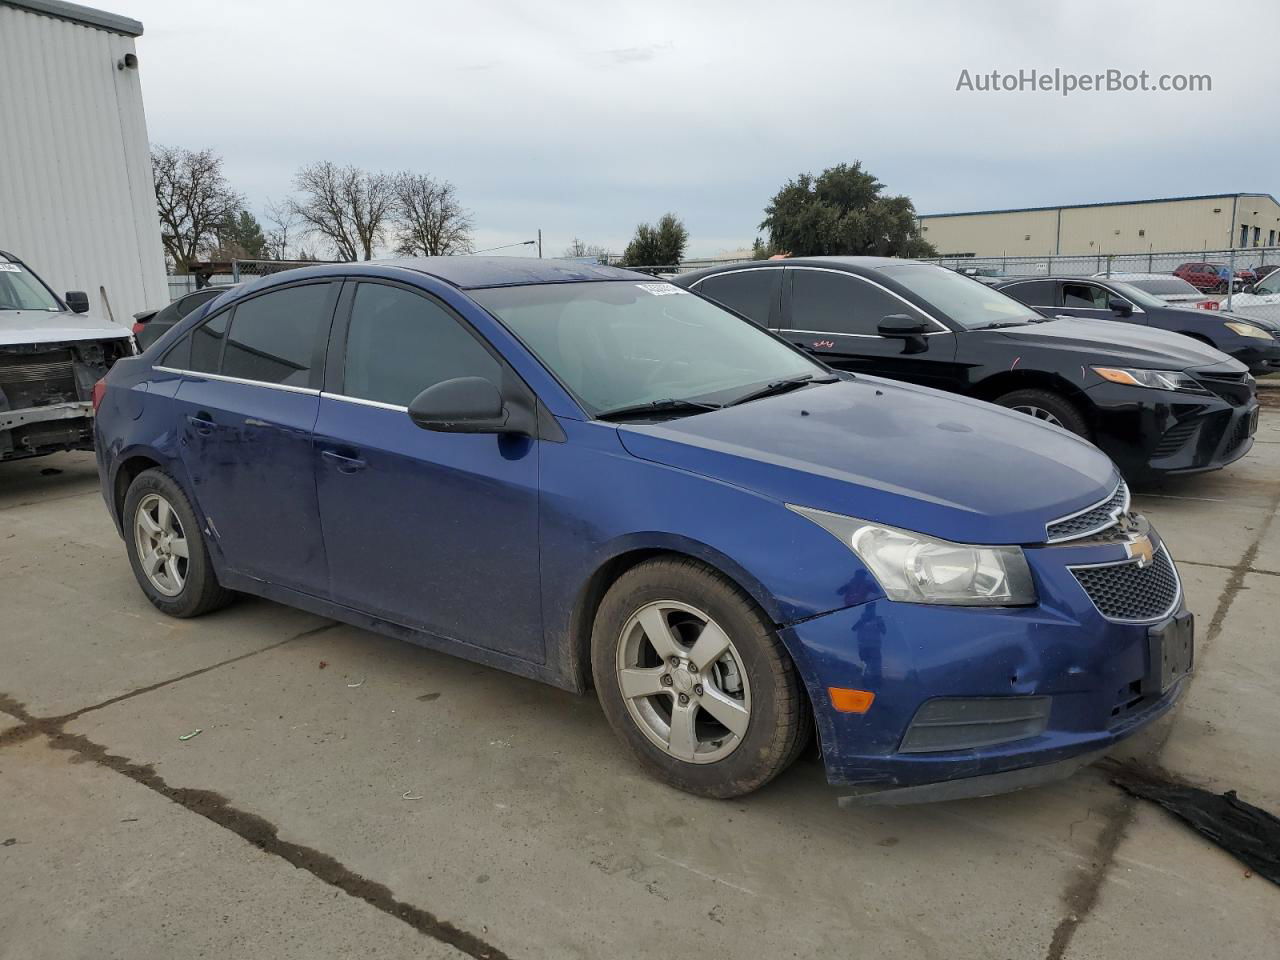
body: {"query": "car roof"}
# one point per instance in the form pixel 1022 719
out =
pixel 860 265
pixel 470 273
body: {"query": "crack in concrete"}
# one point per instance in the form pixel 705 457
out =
pixel 248 826
pixel 1082 894
pixel 37 725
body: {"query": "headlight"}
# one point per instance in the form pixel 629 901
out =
pixel 1248 330
pixel 919 569
pixel 1159 379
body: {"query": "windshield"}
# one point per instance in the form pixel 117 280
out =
pixel 1139 296
pixel 969 303
pixel 22 290
pixel 1269 284
pixel 618 343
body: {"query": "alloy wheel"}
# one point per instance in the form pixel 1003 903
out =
pixel 163 551
pixel 683 682
pixel 1039 413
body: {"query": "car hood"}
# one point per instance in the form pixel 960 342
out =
pixel 40 326
pixel 893 453
pixel 1115 343
pixel 1271 326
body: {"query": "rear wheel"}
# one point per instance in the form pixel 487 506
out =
pixel 167 549
pixel 694 681
pixel 1049 407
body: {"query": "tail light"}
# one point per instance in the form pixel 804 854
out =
pixel 138 327
pixel 99 390
pixel 1209 305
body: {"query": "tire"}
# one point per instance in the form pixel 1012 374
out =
pixel 1047 406
pixel 189 587
pixel 754 671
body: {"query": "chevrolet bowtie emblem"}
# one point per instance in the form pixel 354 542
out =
pixel 1140 549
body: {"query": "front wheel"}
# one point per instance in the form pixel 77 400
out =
pixel 1049 407
pixel 694 681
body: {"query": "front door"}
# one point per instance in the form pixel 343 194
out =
pixel 245 410
pixel 835 316
pixel 1083 299
pixel 435 531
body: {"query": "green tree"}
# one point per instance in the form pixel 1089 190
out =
pixel 761 250
pixel 842 211
pixel 657 246
pixel 242 237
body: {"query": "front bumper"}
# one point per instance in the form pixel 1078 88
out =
pixel 1148 431
pixel 62 426
pixel 1095 673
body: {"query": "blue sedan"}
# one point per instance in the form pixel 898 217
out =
pixel 585 476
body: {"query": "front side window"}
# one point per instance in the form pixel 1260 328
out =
pixel 967 302
pixel 399 343
pixel 750 292
pixel 20 289
pixel 622 342
pixel 1084 296
pixel 278 337
pixel 828 302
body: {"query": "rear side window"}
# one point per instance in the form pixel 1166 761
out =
pixel 399 343
pixel 750 292
pixel 206 344
pixel 279 337
pixel 827 302
pixel 1034 293
pixel 193 300
pixel 1085 296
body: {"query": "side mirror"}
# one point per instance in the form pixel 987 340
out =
pixel 1248 288
pixel 1120 306
pixel 77 300
pixel 461 405
pixel 899 326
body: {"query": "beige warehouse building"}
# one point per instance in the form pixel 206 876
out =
pixel 1171 224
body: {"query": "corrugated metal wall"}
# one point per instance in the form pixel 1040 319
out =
pixel 76 197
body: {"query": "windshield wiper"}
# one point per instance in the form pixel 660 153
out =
pixel 656 406
pixel 1002 324
pixel 780 386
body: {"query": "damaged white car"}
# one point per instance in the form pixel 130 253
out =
pixel 51 355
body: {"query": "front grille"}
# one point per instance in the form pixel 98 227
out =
pixel 1235 388
pixel 1241 433
pixel 1124 591
pixel 952 723
pixel 1173 439
pixel 1092 519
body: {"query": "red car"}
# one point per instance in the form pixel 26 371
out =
pixel 1212 277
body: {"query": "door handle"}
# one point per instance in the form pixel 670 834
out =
pixel 344 463
pixel 202 422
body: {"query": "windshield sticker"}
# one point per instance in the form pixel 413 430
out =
pixel 10 268
pixel 660 289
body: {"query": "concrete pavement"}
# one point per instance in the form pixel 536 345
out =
pixel 397 802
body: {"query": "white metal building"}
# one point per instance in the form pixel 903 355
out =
pixel 76 196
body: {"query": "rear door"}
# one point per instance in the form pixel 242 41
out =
pixel 436 531
pixel 755 292
pixel 246 405
pixel 835 316
pixel 1041 294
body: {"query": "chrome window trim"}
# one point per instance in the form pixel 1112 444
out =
pixel 942 327
pixel 865 336
pixel 286 387
pixel 1177 596
pixel 722 273
pixel 361 401
pixel 1115 516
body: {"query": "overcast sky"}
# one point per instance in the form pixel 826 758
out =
pixel 585 118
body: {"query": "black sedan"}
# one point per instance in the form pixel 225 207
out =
pixel 1154 401
pixel 148 325
pixel 1252 341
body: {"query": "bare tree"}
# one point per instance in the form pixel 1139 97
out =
pixel 282 221
pixel 431 221
pixel 578 249
pixel 194 201
pixel 348 207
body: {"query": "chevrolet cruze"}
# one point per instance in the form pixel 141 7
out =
pixel 585 476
